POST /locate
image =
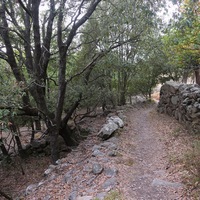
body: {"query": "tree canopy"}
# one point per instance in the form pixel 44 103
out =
pixel 183 40
pixel 57 56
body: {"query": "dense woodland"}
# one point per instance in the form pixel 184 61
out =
pixel 60 57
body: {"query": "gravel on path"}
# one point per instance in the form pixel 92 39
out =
pixel 143 142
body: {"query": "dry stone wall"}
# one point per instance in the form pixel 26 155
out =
pixel 181 101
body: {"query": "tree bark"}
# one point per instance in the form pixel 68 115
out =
pixel 197 76
pixel 15 132
pixel 53 136
pixel 67 134
pixel 63 49
pixel 3 148
pixel 185 76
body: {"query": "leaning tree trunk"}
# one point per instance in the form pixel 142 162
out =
pixel 15 132
pixel 67 134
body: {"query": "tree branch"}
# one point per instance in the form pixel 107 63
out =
pixel 24 7
pixel 100 55
pixel 75 26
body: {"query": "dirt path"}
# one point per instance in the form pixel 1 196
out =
pixel 144 167
pixel 137 162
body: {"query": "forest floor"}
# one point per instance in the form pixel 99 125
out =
pixel 157 145
pixel 152 163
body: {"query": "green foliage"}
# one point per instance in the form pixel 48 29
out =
pixel 182 42
pixel 60 60
pixel 112 195
pixel 130 67
pixel 111 24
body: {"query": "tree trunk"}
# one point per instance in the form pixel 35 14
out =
pixel 15 132
pixel 3 148
pixel 185 76
pixel 197 76
pixel 149 95
pixel 67 134
pixel 130 99
pixel 53 136
pixel 122 100
pixel 37 125
pixel 32 132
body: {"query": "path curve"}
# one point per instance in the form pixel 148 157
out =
pixel 144 166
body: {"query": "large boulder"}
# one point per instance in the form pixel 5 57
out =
pixel 113 123
pixel 117 121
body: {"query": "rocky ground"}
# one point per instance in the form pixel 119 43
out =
pixel 139 162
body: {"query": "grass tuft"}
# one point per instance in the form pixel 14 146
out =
pixel 113 195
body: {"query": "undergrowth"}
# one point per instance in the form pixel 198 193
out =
pixel 192 165
pixel 112 195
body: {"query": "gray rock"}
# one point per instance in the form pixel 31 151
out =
pixel 175 99
pixel 101 195
pixel 97 153
pixel 110 172
pixel 58 162
pixel 107 130
pixel 73 195
pixel 52 166
pixel 63 165
pixel 31 188
pixel 42 182
pixel 110 183
pixel 159 182
pixel 47 197
pixel 122 116
pixel 117 121
pixel 112 153
pixel 85 198
pixel 68 177
pixel 113 123
pixel 104 159
pixel 97 169
pixel 47 172
pixel 109 145
pixel 96 147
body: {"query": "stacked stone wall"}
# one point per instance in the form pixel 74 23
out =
pixel 181 101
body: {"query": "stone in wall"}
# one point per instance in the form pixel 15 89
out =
pixel 181 101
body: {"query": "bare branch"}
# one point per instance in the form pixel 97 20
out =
pixel 24 7
pixel 75 27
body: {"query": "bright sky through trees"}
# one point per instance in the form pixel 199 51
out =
pixel 167 13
